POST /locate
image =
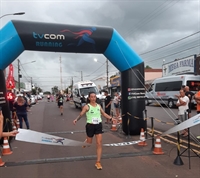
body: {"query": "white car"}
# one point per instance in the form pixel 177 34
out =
pixel 39 97
pixel 32 100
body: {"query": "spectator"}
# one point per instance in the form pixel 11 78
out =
pixel 108 103
pixel 21 109
pixel 190 95
pixel 182 105
pixel 197 99
pixel 83 101
pixel 116 102
pixel 5 134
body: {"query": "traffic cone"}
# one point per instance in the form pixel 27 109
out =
pixel 18 125
pixel 1 162
pixel 120 120
pixel 14 127
pixel 6 147
pixel 114 125
pixel 157 149
pixel 142 138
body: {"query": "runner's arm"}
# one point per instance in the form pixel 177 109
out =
pixel 84 110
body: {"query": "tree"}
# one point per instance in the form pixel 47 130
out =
pixel 34 91
pixel 54 90
pixel 39 90
pixel 148 67
pixel 47 93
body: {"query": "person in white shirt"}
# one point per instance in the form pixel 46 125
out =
pixel 182 104
pixel 116 102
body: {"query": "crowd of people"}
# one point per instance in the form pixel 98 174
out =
pixel 184 104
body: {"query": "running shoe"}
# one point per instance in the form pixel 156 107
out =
pixel 98 166
pixel 61 114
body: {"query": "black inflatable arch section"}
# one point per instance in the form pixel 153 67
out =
pixel 17 36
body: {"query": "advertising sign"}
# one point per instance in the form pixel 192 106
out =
pixel 185 65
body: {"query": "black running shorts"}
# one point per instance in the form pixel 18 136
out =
pixel 93 129
pixel 60 104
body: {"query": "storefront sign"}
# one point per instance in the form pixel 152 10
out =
pixel 180 66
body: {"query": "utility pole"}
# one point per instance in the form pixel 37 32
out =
pixel 31 84
pixel 107 73
pixel 81 75
pixel 60 73
pixel 72 85
pixel 18 66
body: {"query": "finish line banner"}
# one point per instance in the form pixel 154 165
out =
pixel 42 138
pixel 195 120
pixel 124 143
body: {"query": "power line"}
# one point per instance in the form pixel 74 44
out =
pixel 149 17
pixel 173 54
pixel 96 70
pixel 171 50
pixel 170 43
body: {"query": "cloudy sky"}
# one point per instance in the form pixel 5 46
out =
pixel 145 24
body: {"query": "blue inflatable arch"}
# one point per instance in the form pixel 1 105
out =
pixel 17 36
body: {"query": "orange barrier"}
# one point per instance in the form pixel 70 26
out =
pixel 114 125
pixel 1 162
pixel 158 149
pixel 6 147
pixel 142 138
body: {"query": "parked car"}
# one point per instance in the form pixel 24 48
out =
pixel 32 100
pixel 39 97
pixel 163 90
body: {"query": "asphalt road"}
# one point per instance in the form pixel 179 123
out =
pixel 43 161
pixel 163 113
pixel 167 115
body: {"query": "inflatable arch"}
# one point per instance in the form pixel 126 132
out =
pixel 17 36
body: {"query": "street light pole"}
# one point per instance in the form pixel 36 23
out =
pixel 19 75
pixel 81 75
pixel 107 73
pixel 107 81
pixel 60 74
pixel 18 66
pixel 31 83
pixel 18 13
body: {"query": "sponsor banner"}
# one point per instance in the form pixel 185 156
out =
pixel 2 98
pixel 63 38
pixel 195 120
pixel 136 93
pixel 180 66
pixel 42 138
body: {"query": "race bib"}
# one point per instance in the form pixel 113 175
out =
pixel 95 120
